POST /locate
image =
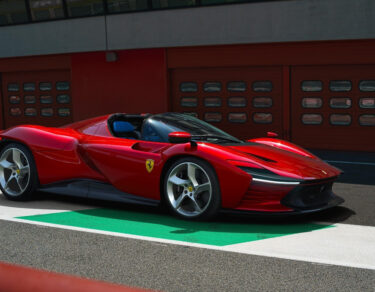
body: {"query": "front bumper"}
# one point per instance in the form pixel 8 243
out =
pixel 336 200
pixel 306 197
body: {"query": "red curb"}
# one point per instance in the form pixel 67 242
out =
pixel 20 279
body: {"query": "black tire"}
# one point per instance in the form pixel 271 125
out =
pixel 29 181
pixel 203 204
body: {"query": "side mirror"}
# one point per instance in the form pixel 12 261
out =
pixel 179 137
pixel 272 135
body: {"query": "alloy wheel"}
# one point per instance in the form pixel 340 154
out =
pixel 14 171
pixel 189 189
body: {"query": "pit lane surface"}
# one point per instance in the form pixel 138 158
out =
pixel 321 259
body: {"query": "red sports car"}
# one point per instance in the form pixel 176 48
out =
pixel 193 167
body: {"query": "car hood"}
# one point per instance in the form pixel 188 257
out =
pixel 287 163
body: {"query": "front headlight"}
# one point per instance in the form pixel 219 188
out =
pixel 267 176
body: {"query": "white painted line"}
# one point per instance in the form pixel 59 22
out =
pixel 116 234
pixel 17 209
pixel 350 162
pixel 341 245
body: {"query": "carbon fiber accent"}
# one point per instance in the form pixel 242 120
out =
pixel 307 196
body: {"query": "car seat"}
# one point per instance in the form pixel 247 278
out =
pixel 124 129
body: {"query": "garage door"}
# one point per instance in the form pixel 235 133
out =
pixel 333 107
pixel 246 102
pixel 38 97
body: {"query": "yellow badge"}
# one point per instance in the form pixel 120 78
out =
pixel 150 165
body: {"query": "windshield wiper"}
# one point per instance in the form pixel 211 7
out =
pixel 205 137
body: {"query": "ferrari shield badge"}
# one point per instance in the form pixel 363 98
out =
pixel 150 165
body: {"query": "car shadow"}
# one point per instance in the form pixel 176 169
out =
pixel 333 215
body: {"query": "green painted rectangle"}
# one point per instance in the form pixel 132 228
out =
pixel 168 227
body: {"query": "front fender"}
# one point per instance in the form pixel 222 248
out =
pixel 233 181
pixel 284 145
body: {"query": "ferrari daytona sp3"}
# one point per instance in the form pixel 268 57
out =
pixel 191 166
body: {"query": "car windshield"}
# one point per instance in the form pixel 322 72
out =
pixel 157 128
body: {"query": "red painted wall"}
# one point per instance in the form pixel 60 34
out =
pixel 135 83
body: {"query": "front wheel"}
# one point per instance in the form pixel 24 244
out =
pixel 18 177
pixel 191 189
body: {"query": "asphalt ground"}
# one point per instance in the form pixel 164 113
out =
pixel 171 267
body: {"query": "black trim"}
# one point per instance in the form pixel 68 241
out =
pixel 241 144
pixel 336 200
pixel 311 196
pixel 86 188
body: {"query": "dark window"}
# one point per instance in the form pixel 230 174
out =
pixel 312 119
pixel 340 119
pixel 45 86
pixel 62 85
pixel 340 102
pixel 213 117
pixel 46 9
pixel 236 86
pixel 157 4
pixel 212 87
pixel 188 87
pixel 367 120
pixel 14 99
pixel 28 99
pixel 237 117
pixel 63 112
pixel 212 101
pixel 126 5
pixel 237 101
pixel 46 112
pixel 312 102
pixel 15 111
pixel 262 118
pixel 84 7
pixel 30 86
pixel 213 2
pixel 262 86
pixel 12 87
pixel 262 102
pixel 63 98
pixel 189 101
pixel 340 85
pixel 12 12
pixel 367 85
pixel 46 99
pixel 367 102
pixel 30 112
pixel 312 85
pixel 193 114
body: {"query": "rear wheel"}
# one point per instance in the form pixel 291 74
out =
pixel 191 189
pixel 18 175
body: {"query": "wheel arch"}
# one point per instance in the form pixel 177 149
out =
pixel 27 151
pixel 4 142
pixel 172 160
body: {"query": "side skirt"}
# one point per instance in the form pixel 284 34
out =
pixel 94 190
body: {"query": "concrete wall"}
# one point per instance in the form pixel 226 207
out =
pixel 263 22
pixel 55 37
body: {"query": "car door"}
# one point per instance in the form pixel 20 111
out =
pixel 132 166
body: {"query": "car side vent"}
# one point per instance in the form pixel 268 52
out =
pixel 263 158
